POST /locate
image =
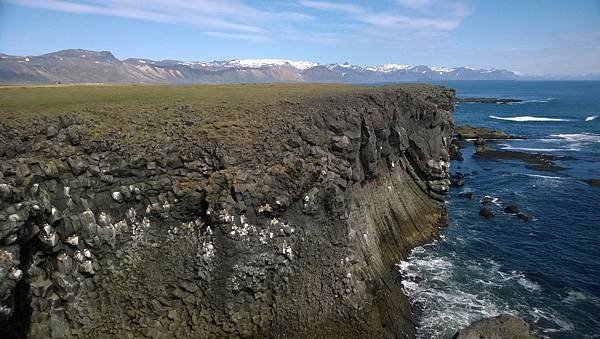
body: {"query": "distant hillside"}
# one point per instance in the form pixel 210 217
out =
pixel 83 66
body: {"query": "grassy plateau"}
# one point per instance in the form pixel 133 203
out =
pixel 140 113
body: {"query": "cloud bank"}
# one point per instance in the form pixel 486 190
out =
pixel 259 22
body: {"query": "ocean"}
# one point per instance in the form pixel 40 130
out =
pixel 546 271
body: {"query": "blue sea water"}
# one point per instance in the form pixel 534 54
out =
pixel 546 271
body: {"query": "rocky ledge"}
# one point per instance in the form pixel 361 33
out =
pixel 471 132
pixel 293 231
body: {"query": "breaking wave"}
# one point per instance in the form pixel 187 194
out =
pixel 578 137
pixel 527 118
pixel 593 117
pixel 452 292
pixel 546 100
pixel 528 149
pixel 543 176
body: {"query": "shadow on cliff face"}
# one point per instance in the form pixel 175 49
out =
pixel 18 324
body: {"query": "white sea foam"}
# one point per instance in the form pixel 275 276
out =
pixel 579 137
pixel 528 149
pixel 528 284
pixel 527 118
pixel 574 297
pixel 593 117
pixel 453 292
pixel 544 176
pixel 546 100
pixel 550 317
pixel 493 200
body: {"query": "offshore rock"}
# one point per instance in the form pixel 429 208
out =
pixel 511 209
pixel 593 182
pixel 486 213
pixel 504 326
pixel 524 216
pixel 467 195
pixel 473 132
pixel 292 230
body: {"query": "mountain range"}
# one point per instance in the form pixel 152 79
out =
pixel 84 66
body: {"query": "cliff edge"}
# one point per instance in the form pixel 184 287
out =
pixel 281 218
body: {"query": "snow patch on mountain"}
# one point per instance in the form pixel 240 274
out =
pixel 258 63
pixel 442 69
pixel 388 68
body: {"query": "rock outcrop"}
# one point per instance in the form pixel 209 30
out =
pixel 504 326
pixel 293 233
pixel 471 132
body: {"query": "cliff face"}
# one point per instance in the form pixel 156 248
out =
pixel 294 233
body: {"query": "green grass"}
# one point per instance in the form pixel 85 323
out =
pixel 52 99
pixel 138 113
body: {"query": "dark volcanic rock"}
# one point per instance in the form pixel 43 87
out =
pixel 540 162
pixel 292 230
pixel 467 195
pixel 479 141
pixel 457 180
pixel 486 212
pixel 593 182
pixel 454 150
pixel 472 132
pixel 511 209
pixel 504 326
pixel 524 216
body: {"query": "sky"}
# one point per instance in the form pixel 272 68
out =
pixel 529 36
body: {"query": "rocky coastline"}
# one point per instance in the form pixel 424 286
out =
pixel 291 231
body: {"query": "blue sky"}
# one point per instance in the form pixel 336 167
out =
pixel 530 36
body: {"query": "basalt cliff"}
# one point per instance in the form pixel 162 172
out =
pixel 292 230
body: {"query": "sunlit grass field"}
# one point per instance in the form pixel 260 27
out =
pixel 143 111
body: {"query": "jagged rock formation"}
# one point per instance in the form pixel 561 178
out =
pixel 294 233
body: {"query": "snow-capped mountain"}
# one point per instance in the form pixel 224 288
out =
pixel 81 66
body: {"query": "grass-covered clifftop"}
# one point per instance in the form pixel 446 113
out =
pixel 142 114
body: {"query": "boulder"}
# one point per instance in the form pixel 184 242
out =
pixel 467 195
pixel 479 141
pixel 511 209
pixel 51 131
pixel 593 182
pixel 524 216
pixel 457 180
pixel 504 326
pixel 486 213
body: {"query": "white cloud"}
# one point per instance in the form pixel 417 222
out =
pixel 432 14
pixel 416 4
pixel 229 17
pixel 305 20
pixel 250 37
pixel 333 6
pixel 401 21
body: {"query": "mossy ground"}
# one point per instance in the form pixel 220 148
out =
pixel 141 112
